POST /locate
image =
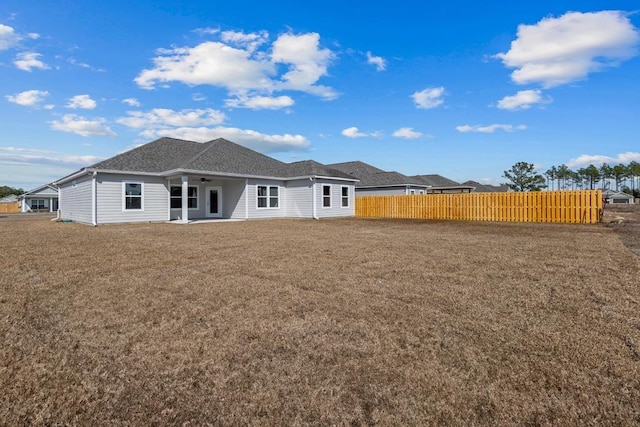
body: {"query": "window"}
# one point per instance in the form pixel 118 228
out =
pixel 345 197
pixel 420 191
pixel 412 191
pixel 176 197
pixel 326 196
pixel 268 196
pixel 38 204
pixel 132 195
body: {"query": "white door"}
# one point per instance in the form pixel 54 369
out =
pixel 214 202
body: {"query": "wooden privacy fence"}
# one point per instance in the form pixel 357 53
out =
pixel 583 207
pixel 13 207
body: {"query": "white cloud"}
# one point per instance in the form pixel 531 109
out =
pixel 489 128
pixel 354 132
pixel 28 98
pixel 203 125
pixel 237 64
pixel 132 102
pixel 378 61
pixel 8 37
pixel 598 159
pixel 82 101
pixel 260 102
pixel 31 155
pixel 407 133
pixel 81 126
pixel 250 41
pixel 27 61
pixel 163 118
pixel 307 63
pixel 561 50
pixel 523 100
pixel 249 138
pixel 430 97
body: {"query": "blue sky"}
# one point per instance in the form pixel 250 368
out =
pixel 464 89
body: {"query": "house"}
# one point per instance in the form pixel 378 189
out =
pixel 40 199
pixel 617 197
pixel 376 182
pixel 486 188
pixel 173 179
pixel 439 184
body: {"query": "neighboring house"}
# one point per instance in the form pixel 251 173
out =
pixel 376 182
pixel 40 199
pixel 617 197
pixel 173 179
pixel 439 184
pixel 486 188
pixel 9 204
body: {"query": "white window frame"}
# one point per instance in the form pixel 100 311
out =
pixel 175 197
pixel 412 191
pixel 325 196
pixel 124 196
pixel 343 197
pixel 268 197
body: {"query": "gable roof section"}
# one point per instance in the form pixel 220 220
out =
pixel 43 190
pixel 371 176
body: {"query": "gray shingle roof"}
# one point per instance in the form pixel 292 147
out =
pixel 436 180
pixel 371 176
pixel 216 156
pixel 485 188
pixel 311 167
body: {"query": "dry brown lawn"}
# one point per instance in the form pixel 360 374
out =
pixel 331 322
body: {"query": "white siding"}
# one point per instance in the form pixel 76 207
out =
pixel 299 203
pixel 381 191
pixel 252 194
pixel 233 199
pixel 155 194
pixel 336 208
pixel 75 200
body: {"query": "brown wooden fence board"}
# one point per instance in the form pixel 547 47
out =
pixel 571 207
pixel 9 207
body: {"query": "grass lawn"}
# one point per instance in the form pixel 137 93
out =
pixel 331 322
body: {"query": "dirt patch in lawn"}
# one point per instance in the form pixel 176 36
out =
pixel 331 322
pixel 625 220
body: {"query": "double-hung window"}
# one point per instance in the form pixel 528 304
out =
pixel 345 197
pixel 38 204
pixel 268 196
pixel 326 196
pixel 132 195
pixel 176 197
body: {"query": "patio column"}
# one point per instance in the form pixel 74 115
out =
pixel 185 199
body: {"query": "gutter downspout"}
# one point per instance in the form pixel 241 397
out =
pixel 94 199
pixel 314 214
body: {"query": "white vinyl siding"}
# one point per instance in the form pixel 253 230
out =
pixel 381 191
pixel 335 195
pixel 155 200
pixel 75 200
pixel 252 194
pixel 299 203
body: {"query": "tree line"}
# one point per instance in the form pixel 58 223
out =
pixel 6 191
pixel 620 177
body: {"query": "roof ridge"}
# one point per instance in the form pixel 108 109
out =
pixel 207 146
